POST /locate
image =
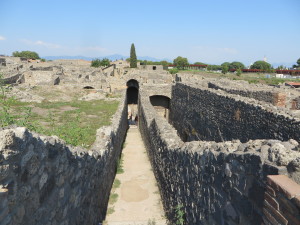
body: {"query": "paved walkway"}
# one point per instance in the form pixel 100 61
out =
pixel 138 201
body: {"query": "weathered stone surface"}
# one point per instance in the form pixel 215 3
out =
pixel 214 115
pixel 45 181
pixel 205 177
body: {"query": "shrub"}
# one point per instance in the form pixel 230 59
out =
pixel 96 63
pixel 173 71
pixel 26 54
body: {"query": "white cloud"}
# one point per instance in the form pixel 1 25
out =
pixel 47 45
pixel 41 43
pixel 2 38
pixel 68 50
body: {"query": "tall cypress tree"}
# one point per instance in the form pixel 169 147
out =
pixel 133 60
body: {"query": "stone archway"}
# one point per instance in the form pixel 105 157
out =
pixel 161 104
pixel 132 95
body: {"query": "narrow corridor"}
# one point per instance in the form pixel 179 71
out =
pixel 137 199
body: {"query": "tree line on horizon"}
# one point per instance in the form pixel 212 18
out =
pixel 179 62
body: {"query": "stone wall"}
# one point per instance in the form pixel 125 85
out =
pixel 282 201
pixel 18 78
pixel 45 181
pixel 213 183
pixel 261 95
pixel 281 96
pixel 214 115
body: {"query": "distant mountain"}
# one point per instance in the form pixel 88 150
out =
pixel 110 57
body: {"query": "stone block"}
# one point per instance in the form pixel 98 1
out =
pixel 286 205
pixel 272 201
pixel 284 184
pixel 276 214
pixel 270 191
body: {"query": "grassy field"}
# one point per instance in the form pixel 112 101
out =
pixel 250 77
pixel 76 122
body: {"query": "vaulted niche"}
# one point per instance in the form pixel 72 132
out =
pixel 132 101
pixel 88 87
pixel 132 91
pixel 161 104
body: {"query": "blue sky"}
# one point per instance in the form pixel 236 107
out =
pixel 211 31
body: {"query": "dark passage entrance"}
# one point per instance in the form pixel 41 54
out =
pixel 132 95
pixel 132 101
pixel 132 91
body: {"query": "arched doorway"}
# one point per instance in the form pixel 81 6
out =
pixel 161 104
pixel 132 101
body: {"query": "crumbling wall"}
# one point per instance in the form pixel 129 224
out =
pixel 280 96
pixel 214 183
pixel 261 95
pixel 45 181
pixel 214 115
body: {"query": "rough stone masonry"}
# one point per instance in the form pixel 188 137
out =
pixel 45 181
pixel 211 175
pixel 222 158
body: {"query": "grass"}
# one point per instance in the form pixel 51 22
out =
pixel 252 78
pixel 110 210
pixel 113 198
pixel 116 183
pixel 151 222
pixel 76 122
pixel 120 169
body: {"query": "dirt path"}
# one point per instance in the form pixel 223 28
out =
pixel 138 201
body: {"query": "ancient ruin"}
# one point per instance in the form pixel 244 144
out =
pixel 222 151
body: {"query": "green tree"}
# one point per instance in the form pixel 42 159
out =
pixel 225 68
pixel 199 63
pixel 165 63
pixel 105 62
pixel 226 63
pixel 133 60
pixel 96 63
pixel 173 71
pixel 298 64
pixel 238 72
pixel 281 67
pixel 261 65
pixel 26 54
pixel 236 65
pixel 181 62
pixel 214 67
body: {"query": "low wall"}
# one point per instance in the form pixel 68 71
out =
pixel 262 95
pixel 45 181
pixel 209 182
pixel 18 78
pixel 282 97
pixel 214 115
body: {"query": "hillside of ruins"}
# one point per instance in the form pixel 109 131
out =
pixel 196 148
